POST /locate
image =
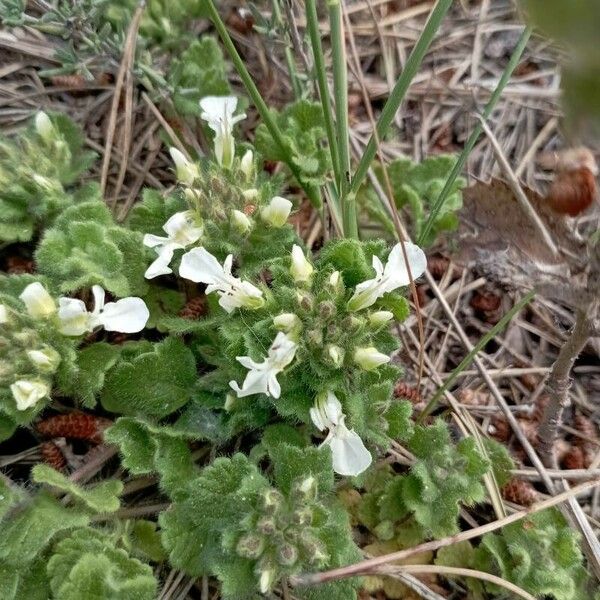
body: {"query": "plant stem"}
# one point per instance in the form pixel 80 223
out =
pixel 260 104
pixel 393 103
pixel 340 91
pixel 559 383
pixel 312 22
pixel 487 111
pixel 471 355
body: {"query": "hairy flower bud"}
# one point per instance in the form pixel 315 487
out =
pixel 370 358
pixel 303 517
pixel 266 580
pixel 335 281
pixel 301 269
pixel 287 554
pixel 336 354
pixel 277 211
pixel 44 127
pixel 3 314
pixel 247 165
pixel 27 393
pixel 45 359
pixel 272 499
pixel 380 317
pixel 326 309
pixel 240 221
pixel 187 172
pixel 305 301
pixel 38 302
pixel 286 322
pixel 250 546
pixel 385 530
pixel 250 194
pixel 266 526
pixel 315 337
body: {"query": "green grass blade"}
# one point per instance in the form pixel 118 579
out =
pixel 478 347
pixel 312 21
pixel 260 104
pixel 393 103
pixel 487 111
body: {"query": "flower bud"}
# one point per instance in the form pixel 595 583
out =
pixel 187 172
pixel 326 309
pixel 336 354
pixel 380 317
pixel 266 580
pixel 250 194
pixel 272 499
pixel 286 322
pixel 229 402
pixel 305 301
pixel 335 281
pixel 46 360
pixel 250 546
pixel 247 165
pixel 287 555
pixel 277 212
pixel 3 314
pixel 370 358
pixel 266 526
pixel 27 393
pixel 300 268
pixel 240 221
pixel 351 323
pixel 385 530
pixel 303 517
pixel 307 487
pixel 44 127
pixel 315 337
pixel 38 302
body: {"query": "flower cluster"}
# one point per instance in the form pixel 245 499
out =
pixel 69 317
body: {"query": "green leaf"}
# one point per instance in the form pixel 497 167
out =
pixel 87 564
pixel 145 539
pixel 154 383
pixel 146 448
pixel 102 498
pixel 85 248
pixel 200 71
pixel 28 534
pixel 541 554
pixel 149 215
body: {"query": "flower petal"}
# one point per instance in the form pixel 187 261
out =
pixel 161 265
pixel 99 296
pixel 152 241
pixel 199 265
pixel 396 272
pixel 273 387
pixel 73 316
pixel 38 302
pixel 128 315
pixel 349 454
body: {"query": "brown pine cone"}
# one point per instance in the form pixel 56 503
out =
pixel 17 265
pixel 499 428
pixel 75 425
pixel 520 492
pixel 194 308
pixel 52 455
pixel 489 304
pixel 587 428
pixel 574 458
pixel 407 392
pixel 437 265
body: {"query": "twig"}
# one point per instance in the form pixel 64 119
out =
pixel 559 382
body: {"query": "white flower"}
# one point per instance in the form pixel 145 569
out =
pixel 393 276
pixel 3 314
pixel 266 580
pixel 349 455
pixel 38 302
pixel 44 127
pixel 300 268
pixel 128 315
pixel 370 358
pixel 182 230
pixel 26 393
pixel 247 165
pixel 380 317
pixel 262 377
pixel 46 359
pixel 240 221
pixel 199 265
pixel 277 211
pixel 335 280
pixel 218 111
pixel 187 172
pixel 286 322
